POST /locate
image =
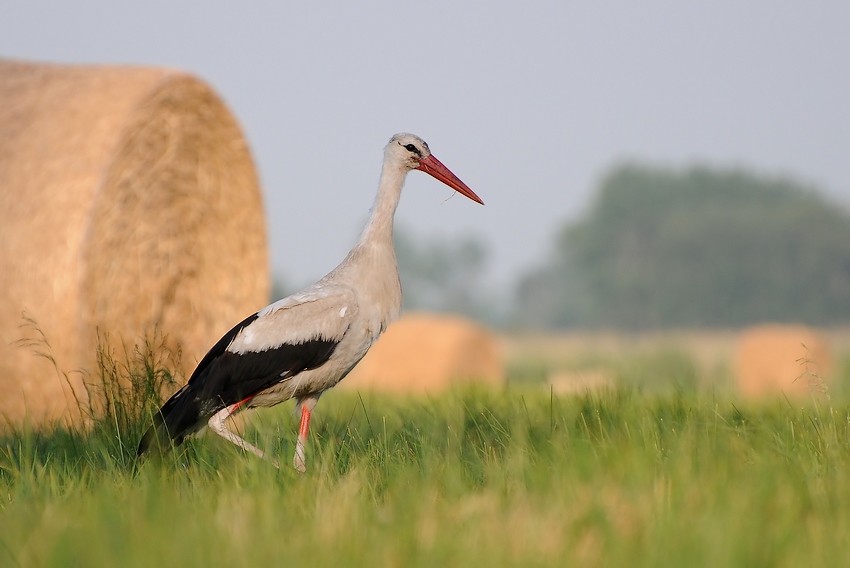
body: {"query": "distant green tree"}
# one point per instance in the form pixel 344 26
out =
pixel 699 247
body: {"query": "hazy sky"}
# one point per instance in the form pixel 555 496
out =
pixel 528 102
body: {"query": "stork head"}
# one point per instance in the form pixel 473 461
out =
pixel 412 153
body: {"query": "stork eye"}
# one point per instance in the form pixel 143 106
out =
pixel 412 148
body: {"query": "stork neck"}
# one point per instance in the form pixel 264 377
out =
pixel 380 225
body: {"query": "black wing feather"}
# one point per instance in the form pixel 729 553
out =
pixel 232 377
pixel 221 346
pixel 223 378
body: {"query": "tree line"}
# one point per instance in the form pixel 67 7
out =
pixel 662 248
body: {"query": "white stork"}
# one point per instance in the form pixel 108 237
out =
pixel 302 345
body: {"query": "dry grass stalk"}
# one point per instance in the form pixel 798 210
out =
pixel 791 359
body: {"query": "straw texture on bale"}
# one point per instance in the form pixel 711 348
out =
pixel 425 353
pixel 128 201
pixel 794 360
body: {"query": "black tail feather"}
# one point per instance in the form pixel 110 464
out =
pixel 178 418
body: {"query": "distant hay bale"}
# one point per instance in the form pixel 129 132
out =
pixel 128 201
pixel 426 353
pixel 795 360
pixel 580 382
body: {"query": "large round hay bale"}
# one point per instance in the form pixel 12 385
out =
pixel 772 359
pixel 128 201
pixel 429 353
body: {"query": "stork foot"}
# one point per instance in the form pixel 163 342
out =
pixel 298 462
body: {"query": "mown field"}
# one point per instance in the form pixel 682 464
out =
pixel 660 469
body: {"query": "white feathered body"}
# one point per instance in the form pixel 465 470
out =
pixel 304 344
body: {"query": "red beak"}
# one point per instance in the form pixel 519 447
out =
pixel 433 167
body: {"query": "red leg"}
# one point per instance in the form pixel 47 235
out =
pixel 239 405
pixel 303 431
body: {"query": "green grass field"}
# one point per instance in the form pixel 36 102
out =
pixel 629 476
